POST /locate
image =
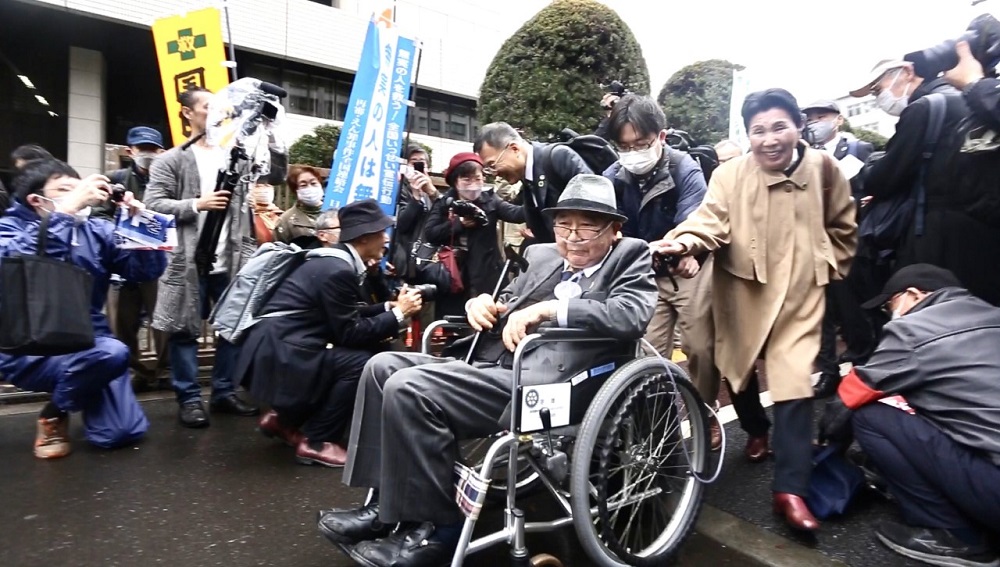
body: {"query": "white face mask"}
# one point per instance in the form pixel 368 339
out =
pixel 80 216
pixel 641 162
pixel 470 192
pixel 144 160
pixel 890 103
pixel 896 314
pixel 311 196
pixel 823 130
pixel 263 196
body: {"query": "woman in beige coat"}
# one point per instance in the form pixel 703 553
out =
pixel 781 223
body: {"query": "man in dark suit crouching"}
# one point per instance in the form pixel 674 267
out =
pixel 412 409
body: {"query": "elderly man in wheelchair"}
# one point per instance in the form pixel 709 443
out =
pixel 552 369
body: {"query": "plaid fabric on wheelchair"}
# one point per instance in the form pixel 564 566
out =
pixel 470 490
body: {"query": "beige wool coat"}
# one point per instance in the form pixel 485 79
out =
pixel 778 241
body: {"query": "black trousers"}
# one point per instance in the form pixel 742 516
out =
pixel 937 482
pixel 327 420
pixel 792 439
pixel 843 309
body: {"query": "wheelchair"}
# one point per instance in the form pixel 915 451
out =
pixel 623 463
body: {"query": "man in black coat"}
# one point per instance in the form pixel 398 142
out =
pixel 843 298
pixel 317 332
pixel 543 169
pixel 961 231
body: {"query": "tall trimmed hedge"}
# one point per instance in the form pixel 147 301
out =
pixel 548 75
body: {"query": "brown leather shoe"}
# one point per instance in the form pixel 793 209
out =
pixel 758 449
pixel 330 455
pixel 269 426
pixel 795 511
pixel 715 433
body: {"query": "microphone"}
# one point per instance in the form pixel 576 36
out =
pixel 272 89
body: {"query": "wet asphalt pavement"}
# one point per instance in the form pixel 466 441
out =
pixel 221 496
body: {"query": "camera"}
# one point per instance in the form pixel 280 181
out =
pixel 427 291
pixel 117 193
pixel 616 88
pixel 467 209
pixel 983 36
pixel 662 264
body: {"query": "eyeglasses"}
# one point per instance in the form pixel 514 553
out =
pixel 637 147
pixel 491 168
pixel 585 234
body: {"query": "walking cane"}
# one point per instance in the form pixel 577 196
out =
pixel 513 259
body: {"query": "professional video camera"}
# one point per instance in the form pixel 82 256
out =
pixel 467 209
pixel 983 36
pixel 616 88
pixel 243 118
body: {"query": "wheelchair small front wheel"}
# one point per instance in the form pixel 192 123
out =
pixel 641 442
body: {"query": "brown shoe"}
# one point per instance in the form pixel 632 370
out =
pixel 269 426
pixel 330 455
pixel 795 511
pixel 715 433
pixel 758 449
pixel 52 439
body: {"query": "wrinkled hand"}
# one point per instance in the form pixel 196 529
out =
pixel 667 248
pixel 420 182
pixel 214 201
pixel 409 301
pixel 687 267
pixel 524 321
pixel 968 70
pixel 609 100
pixel 835 425
pixel 482 312
pixel 92 190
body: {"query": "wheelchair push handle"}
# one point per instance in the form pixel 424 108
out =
pixel 662 264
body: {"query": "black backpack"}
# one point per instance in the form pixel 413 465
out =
pixel 704 154
pixel 595 150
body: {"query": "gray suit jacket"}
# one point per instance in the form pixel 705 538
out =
pixel 174 185
pixel 617 301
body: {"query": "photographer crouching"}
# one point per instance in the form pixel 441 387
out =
pixel 51 191
pixel 317 332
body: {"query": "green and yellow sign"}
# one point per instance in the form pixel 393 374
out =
pixel 191 53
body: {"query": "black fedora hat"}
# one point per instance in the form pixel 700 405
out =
pixel 360 218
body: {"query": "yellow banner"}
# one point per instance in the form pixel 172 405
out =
pixel 190 51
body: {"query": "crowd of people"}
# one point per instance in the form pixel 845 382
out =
pixel 757 270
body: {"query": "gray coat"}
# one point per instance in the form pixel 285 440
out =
pixel 174 185
pixel 617 301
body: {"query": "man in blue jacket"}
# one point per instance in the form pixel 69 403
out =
pixel 78 381
pixel 657 188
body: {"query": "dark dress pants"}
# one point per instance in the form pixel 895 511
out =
pixel 327 421
pixel 792 439
pixel 937 482
pixel 410 412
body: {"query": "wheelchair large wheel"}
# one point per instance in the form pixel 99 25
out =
pixel 474 451
pixel 641 439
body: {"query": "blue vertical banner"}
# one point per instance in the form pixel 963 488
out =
pixel 366 163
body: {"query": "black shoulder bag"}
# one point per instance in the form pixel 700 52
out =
pixel 45 306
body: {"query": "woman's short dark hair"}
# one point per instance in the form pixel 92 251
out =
pixel 641 112
pixel 465 169
pixel 762 101
pixel 32 179
pixel 29 152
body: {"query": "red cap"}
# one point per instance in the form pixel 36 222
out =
pixel 456 161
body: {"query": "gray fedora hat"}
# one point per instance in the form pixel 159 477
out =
pixel 590 193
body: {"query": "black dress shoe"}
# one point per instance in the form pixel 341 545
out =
pixel 234 405
pixel 937 547
pixel 416 548
pixel 348 527
pixel 827 386
pixel 193 414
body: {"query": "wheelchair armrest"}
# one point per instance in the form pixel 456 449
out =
pixel 564 333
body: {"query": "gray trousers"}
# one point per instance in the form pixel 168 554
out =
pixel 409 414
